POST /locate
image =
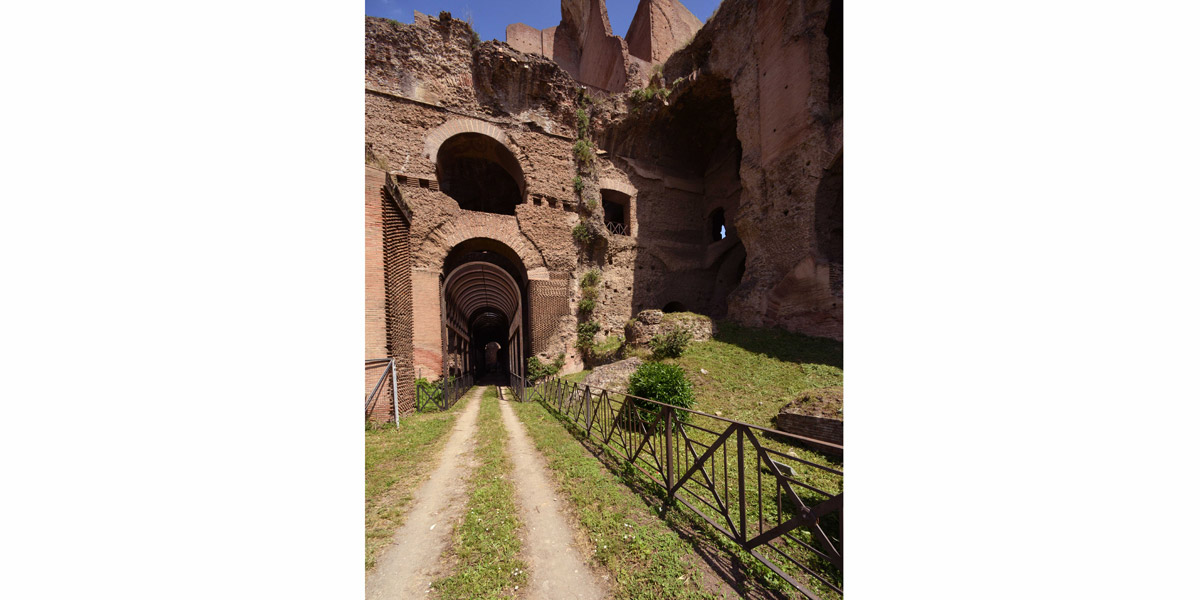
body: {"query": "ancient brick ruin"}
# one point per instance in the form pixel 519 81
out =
pixel 709 178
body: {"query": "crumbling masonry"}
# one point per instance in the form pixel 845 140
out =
pixel 708 178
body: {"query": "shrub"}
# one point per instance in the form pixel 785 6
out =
pixel 590 279
pixel 583 151
pixel 590 292
pixel 536 370
pixel 429 392
pixel 587 334
pixel 592 204
pixel 578 183
pixel 642 95
pixel 664 383
pixel 581 123
pixel 587 305
pixel 670 344
pixel 581 233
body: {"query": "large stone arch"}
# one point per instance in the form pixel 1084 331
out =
pixel 469 225
pixel 438 136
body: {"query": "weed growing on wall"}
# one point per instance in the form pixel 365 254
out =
pixel 581 233
pixel 583 152
pixel 586 332
pixel 536 370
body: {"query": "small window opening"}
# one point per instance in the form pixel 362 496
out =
pixel 616 211
pixel 717 224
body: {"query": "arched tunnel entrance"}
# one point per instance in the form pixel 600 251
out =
pixel 484 311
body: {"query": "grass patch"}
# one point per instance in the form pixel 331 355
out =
pixel 396 462
pixel 645 558
pixel 610 345
pixel 752 373
pixel 486 546
pixel 577 377
pixel 760 517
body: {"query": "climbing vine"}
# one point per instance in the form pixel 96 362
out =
pixel 590 228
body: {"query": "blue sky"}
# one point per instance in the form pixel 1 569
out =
pixel 492 16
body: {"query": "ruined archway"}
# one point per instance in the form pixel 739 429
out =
pixel 484 310
pixel 480 173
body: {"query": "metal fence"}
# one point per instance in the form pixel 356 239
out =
pixel 373 397
pixel 776 495
pixel 617 228
pixel 444 394
pixel 517 384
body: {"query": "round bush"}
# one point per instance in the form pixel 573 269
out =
pixel 664 383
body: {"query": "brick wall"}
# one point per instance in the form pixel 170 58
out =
pixel 427 323
pixel 826 430
pixel 376 311
pixel 549 301
pixel 397 272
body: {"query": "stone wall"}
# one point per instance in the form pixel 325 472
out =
pixel 749 130
pixel 773 53
pixel 659 28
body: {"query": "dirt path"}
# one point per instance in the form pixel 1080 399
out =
pixel 556 567
pixel 407 567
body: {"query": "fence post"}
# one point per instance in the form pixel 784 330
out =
pixel 670 456
pixel 587 403
pixel 741 488
pixel 395 394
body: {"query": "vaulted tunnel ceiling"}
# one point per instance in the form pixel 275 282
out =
pixel 477 286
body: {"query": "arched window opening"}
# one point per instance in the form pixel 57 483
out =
pixel 673 307
pixel 616 211
pixel 480 174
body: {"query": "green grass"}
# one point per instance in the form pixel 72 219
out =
pixel 644 557
pixel 486 544
pixel 577 377
pixel 752 373
pixel 396 462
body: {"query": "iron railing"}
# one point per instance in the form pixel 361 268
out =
pixel 373 397
pixel 785 509
pixel 517 384
pixel 616 228
pixel 443 394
